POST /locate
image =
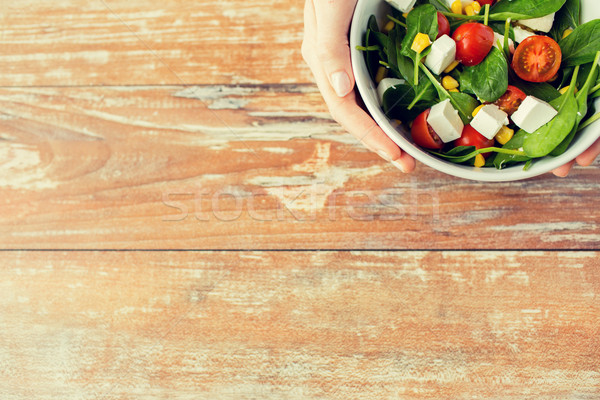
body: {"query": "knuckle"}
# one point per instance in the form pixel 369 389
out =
pixel 325 51
pixel 336 110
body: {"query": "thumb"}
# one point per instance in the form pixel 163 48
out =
pixel 333 50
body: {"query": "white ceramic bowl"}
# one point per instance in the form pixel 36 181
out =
pixel 379 8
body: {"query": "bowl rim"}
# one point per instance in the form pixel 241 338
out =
pixel 399 134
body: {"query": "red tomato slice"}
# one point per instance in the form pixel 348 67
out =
pixel 510 101
pixel 443 25
pixel 423 134
pixel 473 42
pixel 484 2
pixel 470 137
pixel 537 59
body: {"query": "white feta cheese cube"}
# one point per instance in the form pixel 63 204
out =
pixel 533 113
pixel 402 5
pixel 521 34
pixel 542 24
pixel 445 121
pixel 443 52
pixel 489 120
pixel 385 84
pixel 500 38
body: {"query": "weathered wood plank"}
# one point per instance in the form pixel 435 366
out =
pixel 410 325
pixel 127 42
pixel 248 167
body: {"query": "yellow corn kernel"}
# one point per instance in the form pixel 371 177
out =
pixel 567 32
pixel 469 10
pixel 454 90
pixel 476 7
pixel 450 67
pixel 388 27
pixel 381 73
pixel 449 82
pixel 566 88
pixel 456 7
pixel 504 135
pixel 420 43
pixel 476 110
pixel 479 161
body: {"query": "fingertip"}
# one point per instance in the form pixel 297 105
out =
pixel 586 158
pixel 405 163
pixel 563 171
pixel 341 83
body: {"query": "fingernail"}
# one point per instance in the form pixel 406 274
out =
pixel 398 165
pixel 383 155
pixel 341 83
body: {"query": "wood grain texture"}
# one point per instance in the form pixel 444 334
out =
pixel 133 42
pixel 248 167
pixel 407 325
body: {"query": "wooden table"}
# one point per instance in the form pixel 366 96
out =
pixel 181 219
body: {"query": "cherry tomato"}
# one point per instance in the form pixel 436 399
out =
pixel 470 137
pixel 473 42
pixel 510 100
pixel 443 25
pixel 423 134
pixel 537 59
pixel 484 2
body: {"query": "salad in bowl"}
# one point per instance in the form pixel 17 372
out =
pixel 493 90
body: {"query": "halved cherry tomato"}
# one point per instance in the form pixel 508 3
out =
pixel 443 25
pixel 537 59
pixel 423 134
pixel 484 2
pixel 473 42
pixel 510 101
pixel 470 137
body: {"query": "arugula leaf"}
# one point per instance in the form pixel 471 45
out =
pixel 581 45
pixel 488 79
pixel 567 17
pixel 422 19
pixel 524 9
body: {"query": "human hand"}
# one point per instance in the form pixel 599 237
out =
pixel 326 50
pixel 584 159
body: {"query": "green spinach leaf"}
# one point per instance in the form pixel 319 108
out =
pixel 567 17
pixel 503 160
pixel 372 57
pixel 441 5
pixel 464 104
pixel 582 106
pixel 543 91
pixel 581 46
pixel 397 99
pixel 524 9
pixel 544 140
pixel 488 79
pixel 422 19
